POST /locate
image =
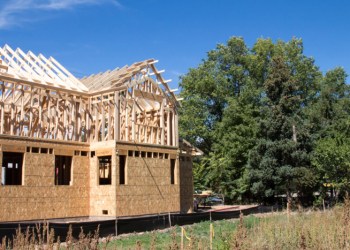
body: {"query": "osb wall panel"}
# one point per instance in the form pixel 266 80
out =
pixel 102 197
pixel 186 184
pixel 148 189
pixel 39 198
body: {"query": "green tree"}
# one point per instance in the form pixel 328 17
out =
pixel 332 159
pixel 240 107
pixel 330 116
pixel 282 154
pixel 207 89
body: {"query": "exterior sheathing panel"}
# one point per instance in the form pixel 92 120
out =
pixel 38 197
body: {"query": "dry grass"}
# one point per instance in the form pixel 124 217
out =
pixel 307 230
pixel 302 230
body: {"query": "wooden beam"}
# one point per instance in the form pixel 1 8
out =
pixel 162 125
pixel 116 116
pixel 148 96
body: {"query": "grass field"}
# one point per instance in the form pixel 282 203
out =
pixel 300 230
pixel 171 239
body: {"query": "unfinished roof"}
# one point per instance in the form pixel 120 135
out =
pixel 37 69
pixel 30 68
pixel 129 76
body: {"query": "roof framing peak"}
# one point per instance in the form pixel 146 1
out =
pixel 38 69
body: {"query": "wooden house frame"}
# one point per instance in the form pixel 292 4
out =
pixel 128 114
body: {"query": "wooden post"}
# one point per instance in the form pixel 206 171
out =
pixel 103 119
pixel 57 115
pixel 109 132
pixel 49 116
pixel 2 107
pixel 211 235
pixel 40 125
pixel 162 122
pixel 30 112
pixel 169 217
pixel 175 133
pixel 96 122
pixel 182 238
pixel 126 121
pixel 22 114
pixel 168 128
pixel 133 116
pixel 12 109
pixel 116 116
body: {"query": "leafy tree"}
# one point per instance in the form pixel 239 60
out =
pixel 258 114
pixel 207 89
pixel 332 159
pixel 281 157
pixel 330 115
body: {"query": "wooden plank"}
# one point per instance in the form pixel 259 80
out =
pixel 2 109
pixel 109 132
pixel 168 128
pixel 126 122
pixel 133 116
pixel 103 119
pixel 148 96
pixel 13 148
pixel 96 123
pixel 22 113
pixel 176 139
pixel 49 115
pixel 12 109
pixel 56 119
pixel 162 121
pixel 30 112
pixel 116 116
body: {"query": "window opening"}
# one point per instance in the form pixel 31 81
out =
pixel 172 171
pixel 93 154
pixel 143 154
pixel 43 150
pixel 11 168
pixel 105 169
pixel 137 153
pixel 130 153
pixel 63 169
pixel 84 153
pixel 122 172
pixel 35 150
pixel 160 155
pixel 149 154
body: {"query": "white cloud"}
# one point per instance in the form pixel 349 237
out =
pixel 12 10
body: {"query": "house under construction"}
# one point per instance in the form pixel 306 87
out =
pixel 103 145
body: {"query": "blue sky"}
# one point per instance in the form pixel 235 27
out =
pixel 89 36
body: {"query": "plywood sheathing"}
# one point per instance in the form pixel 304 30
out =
pixel 39 197
pixel 148 189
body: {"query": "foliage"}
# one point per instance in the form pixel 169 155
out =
pixel 260 114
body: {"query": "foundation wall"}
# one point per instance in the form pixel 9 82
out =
pixel 148 188
pixel 38 197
